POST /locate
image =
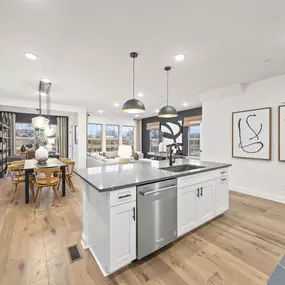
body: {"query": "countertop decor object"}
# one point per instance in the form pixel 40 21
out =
pixel 41 155
pixel 167 111
pixel 133 106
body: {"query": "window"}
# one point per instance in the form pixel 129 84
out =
pixel 24 133
pixel 94 137
pixel 112 137
pixel 128 135
pixel 154 140
pixel 194 139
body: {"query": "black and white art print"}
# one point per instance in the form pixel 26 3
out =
pixel 172 132
pixel 251 137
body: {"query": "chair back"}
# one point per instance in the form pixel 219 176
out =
pixel 14 158
pixel 31 154
pixel 50 178
pixel 69 165
pixel 17 171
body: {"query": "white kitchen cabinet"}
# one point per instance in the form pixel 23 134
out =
pixel 196 206
pixel 122 235
pixel 186 210
pixel 222 195
pixel 205 202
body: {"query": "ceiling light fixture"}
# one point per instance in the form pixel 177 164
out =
pixel 179 57
pixel 31 56
pixel 185 104
pixel 140 94
pixel 156 110
pixel 133 105
pixel 116 105
pixel 100 111
pixel 167 111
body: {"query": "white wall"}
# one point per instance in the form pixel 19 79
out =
pixel 80 112
pixel 261 178
pixel 104 120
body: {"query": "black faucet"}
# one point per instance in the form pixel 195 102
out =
pixel 171 152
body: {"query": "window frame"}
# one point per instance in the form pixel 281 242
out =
pixel 117 148
pixel 194 139
pixel 133 138
pixel 94 138
pixel 150 140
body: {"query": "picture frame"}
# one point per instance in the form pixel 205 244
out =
pixel 76 134
pixel 281 133
pixel 251 134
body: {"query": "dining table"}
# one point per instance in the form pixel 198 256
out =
pixel 29 166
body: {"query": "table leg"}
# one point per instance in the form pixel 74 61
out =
pixel 63 181
pixel 27 190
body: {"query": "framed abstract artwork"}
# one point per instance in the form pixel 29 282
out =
pixel 251 134
pixel 281 132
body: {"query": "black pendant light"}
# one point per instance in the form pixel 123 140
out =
pixel 133 106
pixel 167 111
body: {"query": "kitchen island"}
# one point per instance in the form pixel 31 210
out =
pixel 116 224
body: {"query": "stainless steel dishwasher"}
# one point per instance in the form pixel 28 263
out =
pixel 156 216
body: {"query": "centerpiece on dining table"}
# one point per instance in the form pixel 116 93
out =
pixel 39 141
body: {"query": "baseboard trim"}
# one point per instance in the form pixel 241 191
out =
pixel 264 195
pixel 84 242
pixel 100 266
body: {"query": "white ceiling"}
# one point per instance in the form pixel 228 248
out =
pixel 84 47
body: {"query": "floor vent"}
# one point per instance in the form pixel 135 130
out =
pixel 74 253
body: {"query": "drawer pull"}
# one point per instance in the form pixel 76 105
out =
pixel 224 179
pixel 125 196
pixel 223 172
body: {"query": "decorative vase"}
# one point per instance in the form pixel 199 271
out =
pixel 23 149
pixel 41 155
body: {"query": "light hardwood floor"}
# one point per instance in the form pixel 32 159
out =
pixel 241 247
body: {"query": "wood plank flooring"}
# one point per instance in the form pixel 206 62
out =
pixel 242 247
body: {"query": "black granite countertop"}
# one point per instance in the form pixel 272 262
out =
pixel 114 177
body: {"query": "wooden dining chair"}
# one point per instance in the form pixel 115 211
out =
pixel 69 171
pixel 47 177
pixel 18 176
pixel 12 160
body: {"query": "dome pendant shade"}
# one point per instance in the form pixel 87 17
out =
pixel 167 112
pixel 133 106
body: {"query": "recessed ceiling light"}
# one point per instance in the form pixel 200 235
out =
pixel 156 110
pixel 179 57
pixel 100 111
pixel 185 104
pixel 140 94
pixel 116 105
pixel 31 56
pixel 136 115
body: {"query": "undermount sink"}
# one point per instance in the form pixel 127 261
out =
pixel 181 168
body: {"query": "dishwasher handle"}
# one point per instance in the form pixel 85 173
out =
pixel 157 190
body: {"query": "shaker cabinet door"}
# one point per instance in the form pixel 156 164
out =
pixel 187 209
pixel 222 195
pixel 122 235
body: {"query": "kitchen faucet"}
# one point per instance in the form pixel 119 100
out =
pixel 171 152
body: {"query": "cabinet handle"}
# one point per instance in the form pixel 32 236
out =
pixel 134 213
pixel 198 193
pixel 125 196
pixel 201 191
pixel 224 179
pixel 223 172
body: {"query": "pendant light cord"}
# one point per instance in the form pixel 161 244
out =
pixel 167 86
pixel 40 104
pixel 133 78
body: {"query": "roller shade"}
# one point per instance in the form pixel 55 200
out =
pixel 153 126
pixel 192 121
